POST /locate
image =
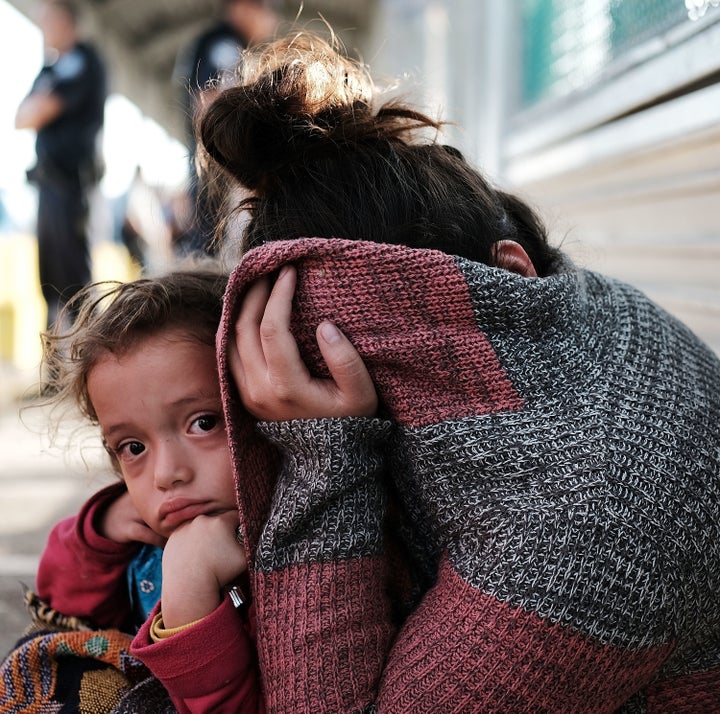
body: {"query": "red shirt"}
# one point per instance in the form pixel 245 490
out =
pixel 209 666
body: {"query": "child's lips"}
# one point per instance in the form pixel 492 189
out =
pixel 180 510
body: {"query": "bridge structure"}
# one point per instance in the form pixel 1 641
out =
pixel 603 114
pixel 140 40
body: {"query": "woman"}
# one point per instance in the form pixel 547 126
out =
pixel 501 494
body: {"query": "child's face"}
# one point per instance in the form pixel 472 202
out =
pixel 160 413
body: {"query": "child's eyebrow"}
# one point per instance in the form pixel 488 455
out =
pixel 187 400
pixel 114 429
pixel 197 397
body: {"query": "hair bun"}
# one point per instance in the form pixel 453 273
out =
pixel 296 100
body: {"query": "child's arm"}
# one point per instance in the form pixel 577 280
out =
pixel 210 666
pixel 196 642
pixel 199 560
pixel 81 572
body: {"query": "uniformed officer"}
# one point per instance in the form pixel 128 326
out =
pixel 213 53
pixel 66 107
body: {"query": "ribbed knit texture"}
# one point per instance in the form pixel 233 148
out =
pixel 533 524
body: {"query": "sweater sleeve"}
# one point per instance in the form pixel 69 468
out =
pixel 210 666
pixel 550 586
pixel 328 640
pixel 83 574
pixel 324 617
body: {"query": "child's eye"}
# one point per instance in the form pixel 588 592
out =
pixel 205 423
pixel 129 449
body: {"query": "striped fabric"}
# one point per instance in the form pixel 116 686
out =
pixel 531 524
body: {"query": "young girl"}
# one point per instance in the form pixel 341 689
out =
pixel 140 363
pixel 532 520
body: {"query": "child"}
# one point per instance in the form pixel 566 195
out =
pixel 532 522
pixel 140 363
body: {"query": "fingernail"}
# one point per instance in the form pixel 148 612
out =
pixel 283 271
pixel 329 332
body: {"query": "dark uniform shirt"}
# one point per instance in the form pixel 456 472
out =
pixel 214 52
pixel 67 147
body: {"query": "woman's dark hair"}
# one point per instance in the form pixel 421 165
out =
pixel 300 133
pixel 113 317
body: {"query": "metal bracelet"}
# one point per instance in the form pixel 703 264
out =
pixel 236 596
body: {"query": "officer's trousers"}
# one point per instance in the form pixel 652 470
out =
pixel 63 251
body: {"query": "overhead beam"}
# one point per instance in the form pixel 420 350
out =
pixel 140 40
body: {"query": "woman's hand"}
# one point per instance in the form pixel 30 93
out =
pixel 122 523
pixel 273 382
pixel 199 559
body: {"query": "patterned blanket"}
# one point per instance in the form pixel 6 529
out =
pixel 63 664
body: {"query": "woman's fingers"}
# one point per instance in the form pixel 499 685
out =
pixel 247 327
pixel 352 384
pixel 264 358
pixel 287 374
pixel 273 381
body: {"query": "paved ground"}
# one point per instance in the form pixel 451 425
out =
pixel 38 486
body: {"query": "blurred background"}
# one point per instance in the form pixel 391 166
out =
pixel 604 114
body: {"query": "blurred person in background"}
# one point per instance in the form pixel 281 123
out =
pixel 65 107
pixel 212 54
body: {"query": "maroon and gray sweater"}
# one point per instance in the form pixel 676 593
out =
pixel 532 523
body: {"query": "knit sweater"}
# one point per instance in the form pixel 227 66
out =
pixel 531 524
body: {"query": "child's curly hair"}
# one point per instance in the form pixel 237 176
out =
pixel 112 317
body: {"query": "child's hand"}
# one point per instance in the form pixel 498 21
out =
pixel 199 559
pixel 273 382
pixel 122 523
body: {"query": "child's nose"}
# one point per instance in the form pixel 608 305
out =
pixel 171 465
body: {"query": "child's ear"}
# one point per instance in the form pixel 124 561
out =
pixel 512 256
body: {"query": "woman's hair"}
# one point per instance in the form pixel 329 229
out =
pixel 113 317
pixel 300 132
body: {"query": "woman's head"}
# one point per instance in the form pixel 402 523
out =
pixel 301 133
pixel 114 317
